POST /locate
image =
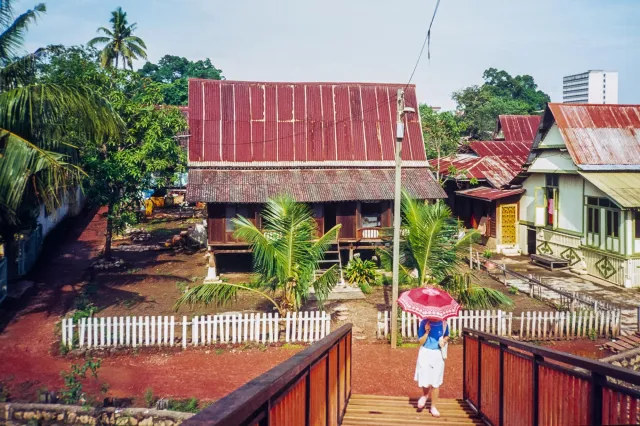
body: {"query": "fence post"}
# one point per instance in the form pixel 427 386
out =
pixel 184 332
pixel 471 257
pixel 501 387
pixel 536 387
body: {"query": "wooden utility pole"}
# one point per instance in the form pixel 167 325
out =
pixel 396 219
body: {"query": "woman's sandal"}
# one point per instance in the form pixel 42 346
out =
pixel 422 402
pixel 434 412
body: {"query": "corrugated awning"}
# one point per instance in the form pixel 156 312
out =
pixel 623 188
pixel 307 185
pixel 489 194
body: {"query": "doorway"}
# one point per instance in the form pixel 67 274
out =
pixel 531 240
pixel 329 216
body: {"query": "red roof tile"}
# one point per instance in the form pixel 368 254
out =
pixel 600 136
pixel 236 123
pixel 489 194
pixel 307 185
pixel 498 171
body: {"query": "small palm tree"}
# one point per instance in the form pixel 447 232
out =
pixel 119 42
pixel 37 122
pixel 286 255
pixel 432 248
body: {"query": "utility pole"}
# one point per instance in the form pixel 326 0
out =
pixel 396 219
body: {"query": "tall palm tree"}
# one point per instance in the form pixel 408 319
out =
pixel 36 122
pixel 119 42
pixel 431 247
pixel 286 255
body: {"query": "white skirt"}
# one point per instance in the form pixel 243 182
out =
pixel 429 368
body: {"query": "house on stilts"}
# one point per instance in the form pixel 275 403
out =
pixel 330 145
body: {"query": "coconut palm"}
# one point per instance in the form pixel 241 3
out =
pixel 431 253
pixel 119 42
pixel 37 121
pixel 286 255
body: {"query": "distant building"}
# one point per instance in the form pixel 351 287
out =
pixel 591 87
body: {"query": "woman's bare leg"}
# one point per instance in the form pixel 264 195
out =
pixel 422 402
pixel 434 400
pixel 426 391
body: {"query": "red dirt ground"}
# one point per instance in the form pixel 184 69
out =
pixel 28 345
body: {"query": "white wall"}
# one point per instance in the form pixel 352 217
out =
pixel 590 190
pixel 553 138
pixel 527 204
pixel 571 196
pixel 70 206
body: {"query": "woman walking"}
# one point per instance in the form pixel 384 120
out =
pixel 434 335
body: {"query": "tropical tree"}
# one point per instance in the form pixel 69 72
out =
pixel 286 256
pixel 119 42
pixel 38 122
pixel 431 253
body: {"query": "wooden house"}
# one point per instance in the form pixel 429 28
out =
pixel 478 181
pixel 582 182
pixel 327 144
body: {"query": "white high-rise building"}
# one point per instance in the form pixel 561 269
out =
pixel 591 87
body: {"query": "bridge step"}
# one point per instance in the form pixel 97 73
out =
pixel 391 411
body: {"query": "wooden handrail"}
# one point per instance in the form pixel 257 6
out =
pixel 511 382
pixel 313 384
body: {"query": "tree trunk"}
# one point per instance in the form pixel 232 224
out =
pixel 109 233
pixel 116 61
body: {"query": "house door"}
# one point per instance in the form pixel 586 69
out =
pixel 531 240
pixel 508 225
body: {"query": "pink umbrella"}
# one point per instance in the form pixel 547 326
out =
pixel 429 302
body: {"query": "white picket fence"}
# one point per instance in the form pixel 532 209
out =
pixel 527 326
pixel 141 331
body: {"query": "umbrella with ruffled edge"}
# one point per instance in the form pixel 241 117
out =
pixel 429 302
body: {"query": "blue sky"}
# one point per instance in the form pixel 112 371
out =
pixel 375 40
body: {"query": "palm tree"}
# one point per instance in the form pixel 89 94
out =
pixel 286 254
pixel 37 122
pixel 431 247
pixel 119 42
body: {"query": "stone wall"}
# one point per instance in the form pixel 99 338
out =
pixel 58 414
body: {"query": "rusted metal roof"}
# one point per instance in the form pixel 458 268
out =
pixel 623 188
pixel 290 124
pixel 519 128
pixel 307 185
pixel 502 148
pixel 489 194
pixel 498 171
pixel 600 137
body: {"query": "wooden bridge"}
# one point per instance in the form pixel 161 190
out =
pixel 506 382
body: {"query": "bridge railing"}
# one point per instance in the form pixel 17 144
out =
pixel 515 383
pixel 312 387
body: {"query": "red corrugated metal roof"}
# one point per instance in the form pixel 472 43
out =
pixel 498 171
pixel 489 194
pixel 503 148
pixel 293 123
pixel 600 135
pixel 519 128
pixel 307 185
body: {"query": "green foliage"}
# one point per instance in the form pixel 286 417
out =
pixel 513 290
pixel 119 42
pixel 148 155
pixel 471 296
pixel 149 398
pixel 286 255
pixel 441 130
pixel 361 272
pixel 501 93
pixel 185 406
pixel 182 286
pixel 174 71
pixel 75 379
pixel 487 254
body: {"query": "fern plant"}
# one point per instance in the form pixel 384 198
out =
pixel 361 272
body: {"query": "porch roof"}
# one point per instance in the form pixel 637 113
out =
pixel 307 185
pixel 489 194
pixel 621 187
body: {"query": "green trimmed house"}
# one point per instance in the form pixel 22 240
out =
pixel 582 190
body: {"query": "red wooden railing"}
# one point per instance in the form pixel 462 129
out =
pixel 515 383
pixel 311 388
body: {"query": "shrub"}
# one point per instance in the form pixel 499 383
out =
pixel 487 254
pixel 149 398
pixel 361 272
pixel 185 406
pixel 73 380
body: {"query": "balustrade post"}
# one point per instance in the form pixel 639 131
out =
pixel 465 395
pixel 501 391
pixel 536 383
pixel 480 373
pixel 597 382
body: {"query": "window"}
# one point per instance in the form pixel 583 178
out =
pixel 593 220
pixel 551 192
pixel 234 212
pixel 613 223
pixel 637 221
pixel 371 217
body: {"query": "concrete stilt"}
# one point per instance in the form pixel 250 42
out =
pixel 212 276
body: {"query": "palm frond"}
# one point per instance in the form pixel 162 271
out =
pixel 12 38
pixel 98 40
pixel 218 294
pixel 22 71
pixel 105 31
pixel 471 296
pixel 264 252
pixel 135 40
pixel 323 285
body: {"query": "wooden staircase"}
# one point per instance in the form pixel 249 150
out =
pixel 332 257
pixel 398 410
pixel 624 343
